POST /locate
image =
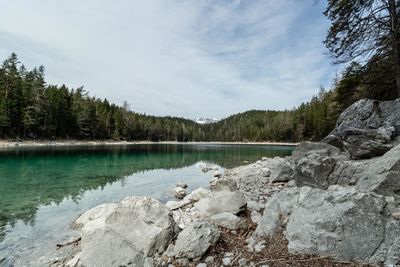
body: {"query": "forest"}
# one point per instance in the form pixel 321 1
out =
pixel 32 109
pixel 365 35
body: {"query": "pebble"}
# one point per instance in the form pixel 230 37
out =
pixel 226 262
pixel 229 254
pixel 255 216
pixel 396 215
pixel 183 185
pixel 183 262
pixel 209 259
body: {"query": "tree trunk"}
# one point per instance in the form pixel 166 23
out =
pixel 398 83
pixel 394 25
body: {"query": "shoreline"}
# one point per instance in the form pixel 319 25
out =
pixel 62 143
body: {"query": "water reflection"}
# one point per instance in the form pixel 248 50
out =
pixel 30 178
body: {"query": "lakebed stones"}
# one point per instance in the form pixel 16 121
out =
pixel 138 228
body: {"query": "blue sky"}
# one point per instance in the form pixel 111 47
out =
pixel 190 58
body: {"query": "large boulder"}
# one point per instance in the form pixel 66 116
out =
pixel 219 202
pixel 388 252
pixel 283 172
pixel 227 220
pixel 307 148
pixel 382 175
pixel 339 222
pixel 101 211
pixel 347 172
pixel 321 165
pixel 279 205
pixel 108 248
pixel 224 184
pixel 138 228
pixel 194 241
pixel 314 170
pixel 368 128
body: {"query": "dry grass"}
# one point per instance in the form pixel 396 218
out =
pixel 275 254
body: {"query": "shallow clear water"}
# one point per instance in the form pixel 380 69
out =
pixel 42 190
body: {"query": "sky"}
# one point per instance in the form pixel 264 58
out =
pixel 187 58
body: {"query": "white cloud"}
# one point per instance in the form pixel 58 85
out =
pixel 186 58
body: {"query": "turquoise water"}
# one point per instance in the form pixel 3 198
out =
pixel 42 190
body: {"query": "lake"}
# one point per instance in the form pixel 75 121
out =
pixel 44 189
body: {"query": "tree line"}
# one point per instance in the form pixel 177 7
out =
pixel 363 34
pixel 32 109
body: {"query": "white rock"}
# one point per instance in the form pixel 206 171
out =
pixel 253 205
pixel 209 259
pixel 255 216
pixel 101 211
pixel 396 215
pixel 227 220
pixel 138 228
pixel 195 240
pixel 179 192
pixel 219 202
pixel 74 261
pixel 226 262
pixel 173 205
pixel 197 194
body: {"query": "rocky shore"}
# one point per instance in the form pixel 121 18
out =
pixel 332 203
pixel 62 143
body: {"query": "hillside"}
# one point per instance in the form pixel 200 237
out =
pixel 32 109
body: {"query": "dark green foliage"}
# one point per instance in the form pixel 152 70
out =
pixel 367 31
pixel 29 108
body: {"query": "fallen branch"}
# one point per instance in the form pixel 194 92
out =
pixel 73 241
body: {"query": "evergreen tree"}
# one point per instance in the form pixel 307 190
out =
pixel 367 30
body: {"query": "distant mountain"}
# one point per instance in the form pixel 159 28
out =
pixel 206 120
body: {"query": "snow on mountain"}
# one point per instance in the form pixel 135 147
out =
pixel 205 120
